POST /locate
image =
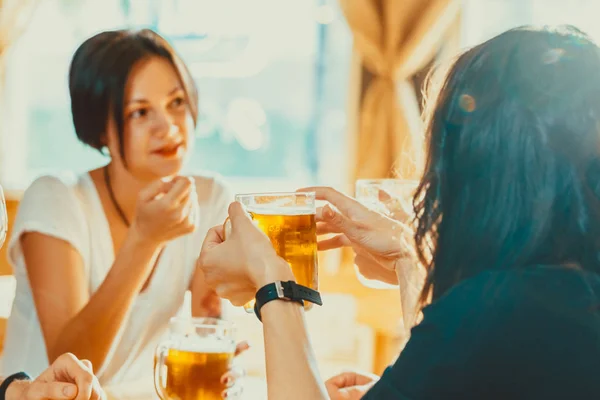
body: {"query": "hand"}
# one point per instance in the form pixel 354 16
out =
pixel 378 241
pixel 235 373
pixel 165 210
pixel 66 378
pixel 237 267
pixel 350 385
pixel 394 207
pixel 370 268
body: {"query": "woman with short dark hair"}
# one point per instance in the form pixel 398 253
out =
pixel 508 220
pixel 103 259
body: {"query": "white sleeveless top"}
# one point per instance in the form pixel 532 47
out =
pixel 69 208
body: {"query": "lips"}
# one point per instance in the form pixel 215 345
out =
pixel 169 150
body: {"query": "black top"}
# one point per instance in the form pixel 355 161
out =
pixel 521 334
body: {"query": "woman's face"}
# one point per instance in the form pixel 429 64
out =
pixel 157 122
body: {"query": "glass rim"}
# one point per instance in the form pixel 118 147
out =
pixel 276 194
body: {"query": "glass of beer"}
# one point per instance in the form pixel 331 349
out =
pixel 192 361
pixel 391 197
pixel 288 219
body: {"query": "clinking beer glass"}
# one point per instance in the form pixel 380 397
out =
pixel 192 361
pixel 288 219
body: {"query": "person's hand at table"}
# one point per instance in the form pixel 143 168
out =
pixel 383 247
pixel 67 378
pixel 380 243
pixel 237 267
pixel 350 385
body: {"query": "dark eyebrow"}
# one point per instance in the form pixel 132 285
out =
pixel 143 101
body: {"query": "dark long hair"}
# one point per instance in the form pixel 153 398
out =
pixel 98 76
pixel 513 159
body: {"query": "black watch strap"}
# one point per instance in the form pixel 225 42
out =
pixel 19 376
pixel 290 291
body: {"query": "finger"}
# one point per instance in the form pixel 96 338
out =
pixel 69 367
pixel 229 378
pixel 346 204
pixel 154 189
pixel 179 191
pixel 335 242
pixel 347 379
pixel 88 365
pixel 337 221
pixel 182 210
pixel 241 347
pixel 51 390
pixel 397 208
pixel 214 237
pixel 97 392
pixel 323 228
pixel 238 215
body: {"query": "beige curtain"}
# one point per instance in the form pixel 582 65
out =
pixel 394 39
pixel 14 17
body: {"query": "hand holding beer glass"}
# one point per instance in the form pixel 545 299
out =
pixel 390 197
pixel 193 363
pixel 288 220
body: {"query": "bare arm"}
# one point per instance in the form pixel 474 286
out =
pixel 289 355
pixel 236 268
pixel 70 319
pixel 214 194
pixel 411 278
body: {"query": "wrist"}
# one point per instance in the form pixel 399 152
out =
pixel 276 269
pixel 15 390
pixel 139 241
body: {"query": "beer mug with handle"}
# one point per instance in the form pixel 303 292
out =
pixel 192 361
pixel 288 219
pixel 391 197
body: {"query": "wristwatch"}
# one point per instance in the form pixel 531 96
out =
pixel 290 291
pixel 19 376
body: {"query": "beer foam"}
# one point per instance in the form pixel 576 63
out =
pixel 269 209
pixel 204 344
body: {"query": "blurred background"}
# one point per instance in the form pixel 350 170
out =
pixel 292 92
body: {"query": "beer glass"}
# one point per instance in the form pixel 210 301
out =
pixel 191 362
pixel 391 197
pixel 288 219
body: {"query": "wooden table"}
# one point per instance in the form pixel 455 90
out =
pixel 254 389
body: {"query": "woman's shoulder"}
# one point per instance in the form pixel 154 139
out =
pixel 52 205
pixel 212 188
pixel 55 202
pixel 60 184
pixel 515 283
pixel 497 298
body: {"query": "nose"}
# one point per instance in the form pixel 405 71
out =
pixel 164 125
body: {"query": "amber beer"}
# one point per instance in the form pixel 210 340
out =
pixel 288 219
pixel 191 362
pixel 196 375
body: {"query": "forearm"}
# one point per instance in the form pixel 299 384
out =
pixel 411 278
pixel 90 334
pixel 291 366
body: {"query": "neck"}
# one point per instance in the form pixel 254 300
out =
pixel 125 189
